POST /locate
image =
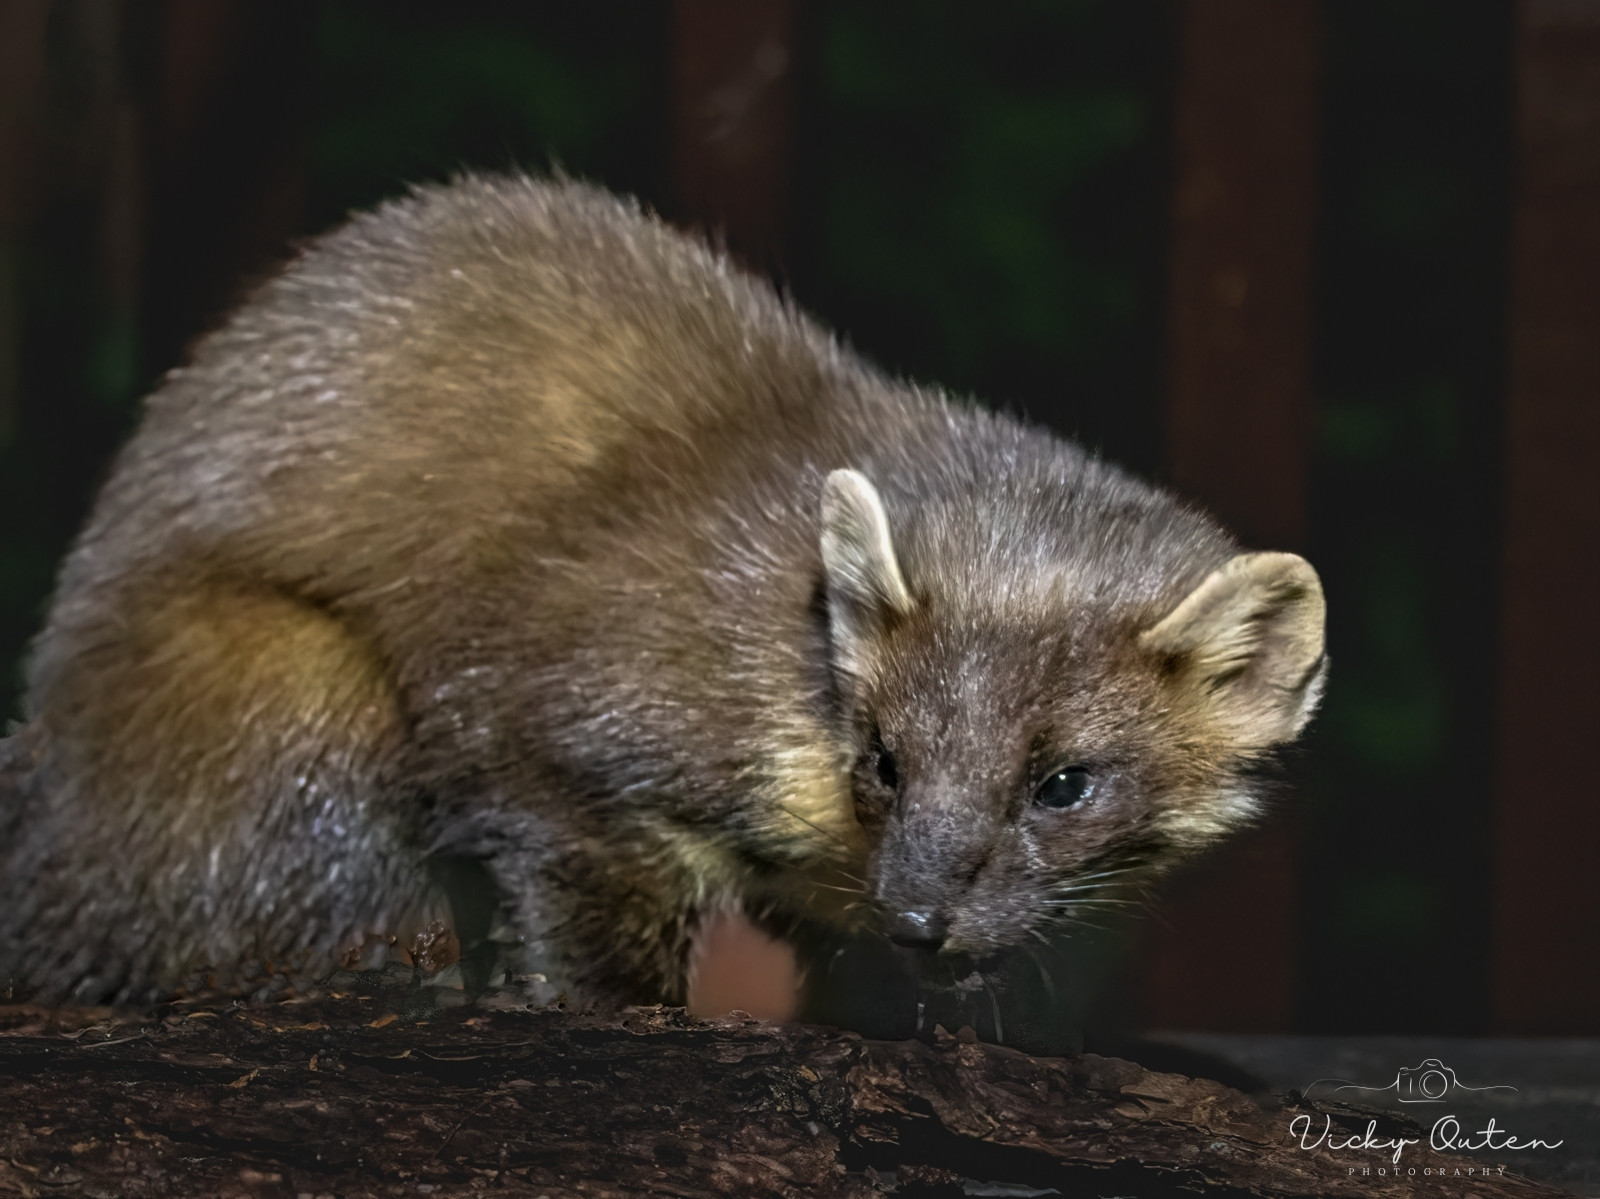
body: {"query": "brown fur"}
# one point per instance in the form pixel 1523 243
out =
pixel 509 525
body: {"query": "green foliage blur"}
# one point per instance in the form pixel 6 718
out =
pixel 421 92
pixel 982 204
pixel 1410 364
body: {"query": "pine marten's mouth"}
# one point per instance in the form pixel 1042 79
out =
pixel 943 959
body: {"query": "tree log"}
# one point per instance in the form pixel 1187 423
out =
pixel 360 1093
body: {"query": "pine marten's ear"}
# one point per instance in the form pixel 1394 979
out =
pixel 1249 640
pixel 865 587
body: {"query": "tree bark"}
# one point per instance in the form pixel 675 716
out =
pixel 357 1094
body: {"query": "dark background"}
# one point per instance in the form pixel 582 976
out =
pixel 1329 269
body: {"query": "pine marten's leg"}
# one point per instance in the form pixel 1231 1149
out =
pixel 218 786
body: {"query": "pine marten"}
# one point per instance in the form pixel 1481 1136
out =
pixel 510 526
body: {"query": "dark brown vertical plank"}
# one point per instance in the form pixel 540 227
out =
pixel 733 116
pixel 1244 131
pixel 225 114
pixel 1547 841
pixel 22 28
pixel 733 108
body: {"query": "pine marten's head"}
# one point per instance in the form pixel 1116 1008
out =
pixel 1038 727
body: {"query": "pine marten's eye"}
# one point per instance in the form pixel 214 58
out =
pixel 877 779
pixel 883 766
pixel 1065 788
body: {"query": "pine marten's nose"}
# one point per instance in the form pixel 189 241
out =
pixel 918 930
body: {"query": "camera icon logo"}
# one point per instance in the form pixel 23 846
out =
pixel 1431 1082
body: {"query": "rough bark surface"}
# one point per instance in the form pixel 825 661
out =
pixel 359 1094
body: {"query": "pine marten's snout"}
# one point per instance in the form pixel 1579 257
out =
pixel 936 846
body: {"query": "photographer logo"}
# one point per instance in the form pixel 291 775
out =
pixel 1430 1082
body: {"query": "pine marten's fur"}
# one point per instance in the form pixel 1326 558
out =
pixel 510 525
